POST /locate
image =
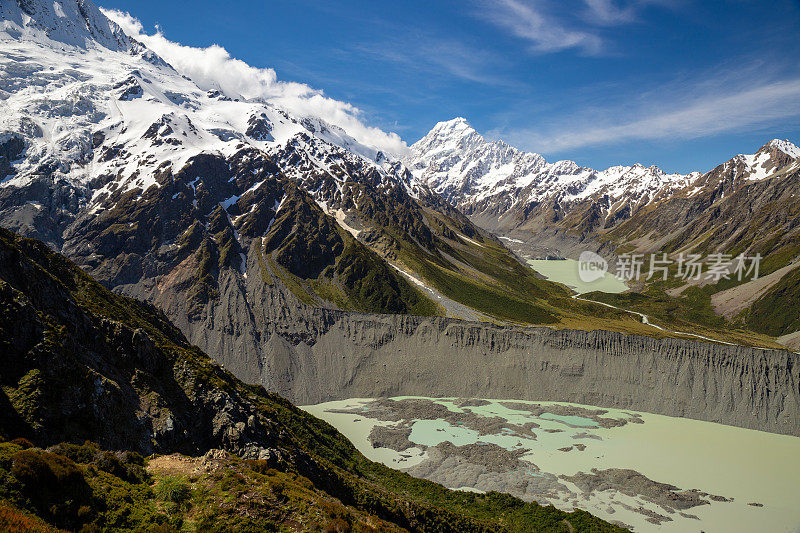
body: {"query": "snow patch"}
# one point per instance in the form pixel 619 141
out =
pixel 786 147
pixel 476 243
pixel 228 202
pixel 415 280
pixel 340 216
pixel 59 10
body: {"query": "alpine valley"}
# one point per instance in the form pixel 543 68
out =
pixel 177 259
pixel 746 205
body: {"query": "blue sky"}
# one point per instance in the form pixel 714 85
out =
pixel 682 84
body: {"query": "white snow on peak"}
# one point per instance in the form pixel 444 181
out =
pixel 457 162
pixel 89 102
pixel 756 166
pixel 760 165
pixel 460 164
pixel 448 127
pixel 72 22
pixel 786 147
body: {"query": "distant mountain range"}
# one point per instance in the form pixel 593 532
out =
pixel 746 205
pixel 482 177
pixel 201 201
pixel 505 188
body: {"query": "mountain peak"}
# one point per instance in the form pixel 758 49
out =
pixel 456 126
pixel 74 22
pixel 785 146
pixel 453 135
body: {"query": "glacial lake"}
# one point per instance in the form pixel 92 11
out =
pixel 645 471
pixel 566 271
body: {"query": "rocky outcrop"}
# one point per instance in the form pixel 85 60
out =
pixel 312 355
pixel 72 372
pixel 11 147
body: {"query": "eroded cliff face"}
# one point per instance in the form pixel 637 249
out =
pixel 263 335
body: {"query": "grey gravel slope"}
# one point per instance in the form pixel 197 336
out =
pixel 263 335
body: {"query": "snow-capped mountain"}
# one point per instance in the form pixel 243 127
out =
pixel 503 187
pixel 94 104
pixel 746 205
pixel 203 200
pixel 75 23
pixel 478 175
pixel 93 123
pixel 93 116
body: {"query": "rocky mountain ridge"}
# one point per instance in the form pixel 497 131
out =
pixel 743 206
pixel 311 355
pixel 492 179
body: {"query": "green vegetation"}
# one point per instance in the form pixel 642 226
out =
pixel 173 490
pixel 492 299
pixel 689 310
pixel 757 217
pixel 175 493
pixel 43 490
pixel 204 286
pixel 320 262
pixel 485 276
pixel 291 282
pixel 90 486
pixel 777 312
pixel 315 479
pixel 374 286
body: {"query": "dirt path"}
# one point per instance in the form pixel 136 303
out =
pixel 175 464
pixel 646 320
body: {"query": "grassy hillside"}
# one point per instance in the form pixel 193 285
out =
pixel 777 312
pixel 321 262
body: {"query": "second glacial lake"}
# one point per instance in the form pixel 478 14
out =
pixel 566 271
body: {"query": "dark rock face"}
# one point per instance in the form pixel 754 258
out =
pixel 182 229
pixel 10 150
pixel 70 373
pixel 43 209
pixel 304 239
pixel 259 128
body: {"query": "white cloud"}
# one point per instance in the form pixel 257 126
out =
pixel 436 56
pixel 609 12
pixel 214 68
pixel 661 117
pixel 531 22
pixel 618 12
pixel 553 26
